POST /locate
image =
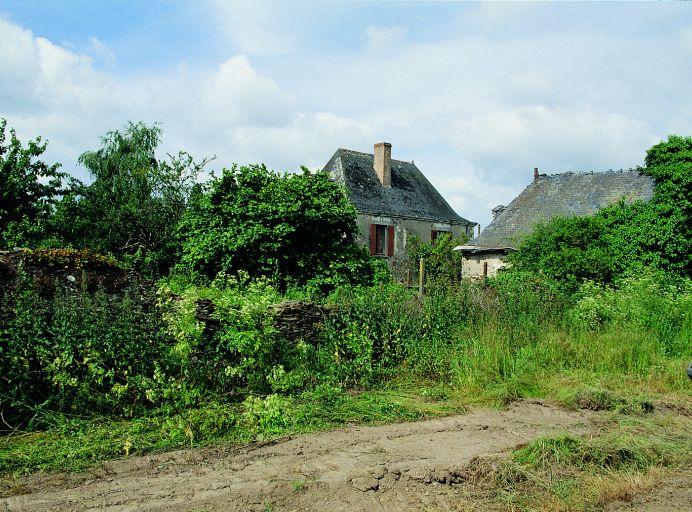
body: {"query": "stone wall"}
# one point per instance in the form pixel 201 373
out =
pixel 49 269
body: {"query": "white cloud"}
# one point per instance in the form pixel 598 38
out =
pixel 384 36
pixel 476 109
pixel 256 28
pixel 101 52
pixel 232 111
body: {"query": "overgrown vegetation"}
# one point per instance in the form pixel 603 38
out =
pixel 29 189
pixel 93 373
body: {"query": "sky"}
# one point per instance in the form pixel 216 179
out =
pixel 477 95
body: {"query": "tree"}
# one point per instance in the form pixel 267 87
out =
pixel 289 227
pixel 29 189
pixel 133 205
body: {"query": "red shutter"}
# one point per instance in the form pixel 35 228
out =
pixel 432 236
pixel 390 240
pixel 373 236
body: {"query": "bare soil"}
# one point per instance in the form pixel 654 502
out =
pixel 409 466
pixel 673 495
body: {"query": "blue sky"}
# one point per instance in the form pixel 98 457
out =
pixel 476 94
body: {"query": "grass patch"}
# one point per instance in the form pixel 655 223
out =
pixel 565 472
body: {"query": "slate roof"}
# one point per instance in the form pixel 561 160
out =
pixel 567 194
pixel 411 194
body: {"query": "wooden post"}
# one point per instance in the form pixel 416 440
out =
pixel 421 276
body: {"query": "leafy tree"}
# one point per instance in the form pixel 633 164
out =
pixel 133 205
pixel 293 228
pixel 623 237
pixel 29 188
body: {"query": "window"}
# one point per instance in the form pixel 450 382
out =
pixel 380 235
pixel 381 240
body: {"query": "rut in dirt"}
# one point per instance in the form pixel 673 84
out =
pixel 393 467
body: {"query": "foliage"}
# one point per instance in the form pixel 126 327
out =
pixel 29 189
pixel 650 300
pixel 75 352
pixel 291 228
pixel 622 238
pixel 506 338
pixel 203 359
pixel 243 353
pixel 132 207
pixel 441 260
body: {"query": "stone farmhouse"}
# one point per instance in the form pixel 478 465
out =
pixel 393 200
pixel 566 194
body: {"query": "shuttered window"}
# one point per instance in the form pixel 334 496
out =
pixel 381 240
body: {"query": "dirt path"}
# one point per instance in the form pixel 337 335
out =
pixel 392 467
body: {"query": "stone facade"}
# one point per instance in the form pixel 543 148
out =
pixel 480 264
pixel 403 228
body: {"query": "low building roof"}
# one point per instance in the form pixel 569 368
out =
pixel 473 249
pixel 411 194
pixel 567 194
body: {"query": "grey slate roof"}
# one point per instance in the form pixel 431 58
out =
pixel 566 194
pixel 411 194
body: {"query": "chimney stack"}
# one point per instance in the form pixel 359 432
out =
pixel 535 173
pixel 383 163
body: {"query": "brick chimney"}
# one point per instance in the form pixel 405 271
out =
pixel 535 173
pixel 383 163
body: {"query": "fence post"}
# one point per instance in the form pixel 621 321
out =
pixel 421 276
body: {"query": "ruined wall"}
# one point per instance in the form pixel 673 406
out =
pixel 48 269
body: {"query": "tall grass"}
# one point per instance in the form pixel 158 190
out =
pixel 516 336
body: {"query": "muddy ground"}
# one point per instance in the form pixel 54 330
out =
pixel 409 466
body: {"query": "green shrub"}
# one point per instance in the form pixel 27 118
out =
pixel 291 228
pixel 648 300
pixel 621 238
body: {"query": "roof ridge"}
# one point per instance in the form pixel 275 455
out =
pixel 346 150
pixel 584 173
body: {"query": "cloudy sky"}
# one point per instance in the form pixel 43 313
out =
pixel 476 94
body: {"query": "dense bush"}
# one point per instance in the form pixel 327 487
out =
pixel 442 262
pixel 75 351
pixel 90 352
pixel 291 228
pixel 133 204
pixel 242 353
